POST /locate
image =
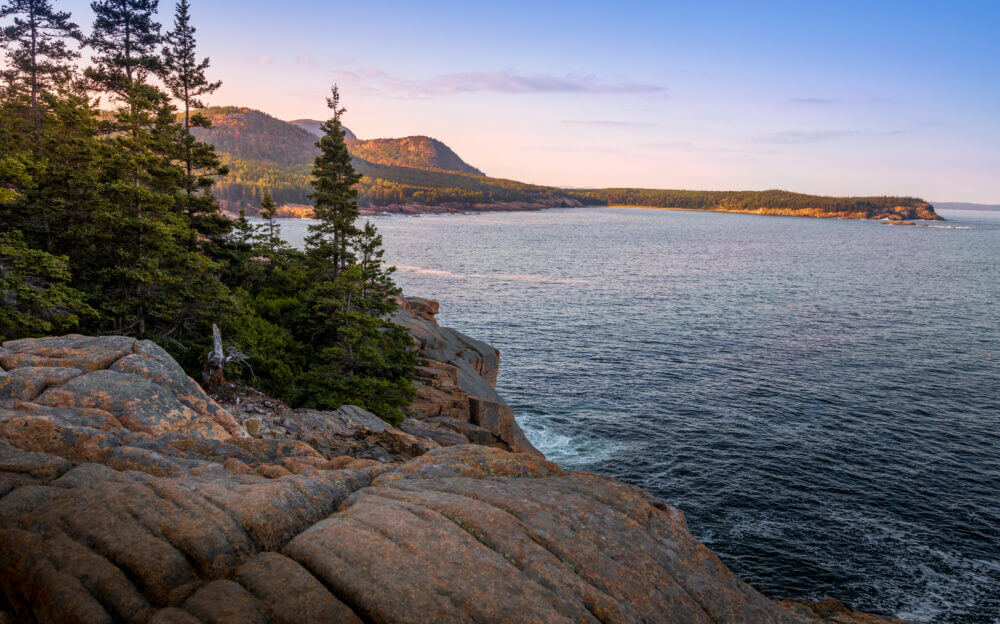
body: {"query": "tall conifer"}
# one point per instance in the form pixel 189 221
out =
pixel 40 51
pixel 126 38
pixel 184 76
pixel 268 211
pixel 158 283
pixel 335 200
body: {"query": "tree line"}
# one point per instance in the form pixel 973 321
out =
pixel 744 201
pixel 109 225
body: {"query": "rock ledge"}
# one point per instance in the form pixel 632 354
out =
pixel 129 495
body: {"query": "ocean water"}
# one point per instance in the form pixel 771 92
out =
pixel 820 397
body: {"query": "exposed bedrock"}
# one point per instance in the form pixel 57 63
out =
pixel 456 383
pixel 129 495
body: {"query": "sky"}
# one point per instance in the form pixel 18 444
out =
pixel 835 98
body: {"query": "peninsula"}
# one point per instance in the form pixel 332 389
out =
pixel 414 175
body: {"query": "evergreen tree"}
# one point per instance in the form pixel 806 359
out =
pixel 184 76
pixel 40 51
pixel 125 38
pixel 335 200
pixel 155 281
pixel 268 210
pixel 356 355
pixel 56 185
pixel 244 232
pixel 378 291
pixel 35 296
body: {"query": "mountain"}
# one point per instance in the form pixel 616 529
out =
pixel 421 152
pixel 265 154
pixel 312 127
pixel 422 174
pixel 252 135
pixel 415 151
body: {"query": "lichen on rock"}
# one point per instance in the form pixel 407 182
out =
pixel 127 494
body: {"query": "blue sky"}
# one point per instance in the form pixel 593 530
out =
pixel 833 98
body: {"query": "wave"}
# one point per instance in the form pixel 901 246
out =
pixel 568 451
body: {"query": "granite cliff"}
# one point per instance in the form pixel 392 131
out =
pixel 127 494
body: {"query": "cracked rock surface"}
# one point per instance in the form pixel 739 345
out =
pixel 129 495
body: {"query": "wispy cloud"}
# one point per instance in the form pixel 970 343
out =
pixel 264 60
pixel 610 123
pixel 797 137
pixel 813 101
pixel 688 146
pixel 377 81
pixel 305 59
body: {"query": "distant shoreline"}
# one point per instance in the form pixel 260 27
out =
pixel 764 212
pixel 301 211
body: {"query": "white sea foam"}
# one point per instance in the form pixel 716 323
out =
pixel 510 277
pixel 564 450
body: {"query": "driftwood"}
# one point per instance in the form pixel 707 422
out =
pixel 217 359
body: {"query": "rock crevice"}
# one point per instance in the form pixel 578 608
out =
pixel 127 494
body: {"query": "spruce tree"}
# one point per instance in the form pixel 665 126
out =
pixel 40 46
pixel 268 211
pixel 184 76
pixel 335 200
pixel 244 232
pixel 355 354
pixel 126 38
pixel 155 281
pixel 58 174
pixel 378 291
pixel 35 295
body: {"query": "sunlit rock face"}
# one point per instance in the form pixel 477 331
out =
pixel 127 494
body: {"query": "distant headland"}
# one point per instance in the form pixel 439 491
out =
pixel 419 174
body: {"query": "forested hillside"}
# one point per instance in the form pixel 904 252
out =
pixel 249 134
pixel 267 155
pixel 415 151
pixel 764 202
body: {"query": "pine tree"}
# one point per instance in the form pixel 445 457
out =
pixel 268 211
pixel 378 291
pixel 125 38
pixel 335 200
pixel 155 280
pixel 184 76
pixel 40 51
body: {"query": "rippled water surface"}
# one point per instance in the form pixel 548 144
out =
pixel 820 397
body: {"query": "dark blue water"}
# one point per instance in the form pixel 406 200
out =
pixel 821 398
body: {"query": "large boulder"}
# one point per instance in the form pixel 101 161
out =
pixel 134 380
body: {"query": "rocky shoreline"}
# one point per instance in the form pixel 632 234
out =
pixel 897 216
pixel 900 215
pixel 127 494
pixel 463 207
